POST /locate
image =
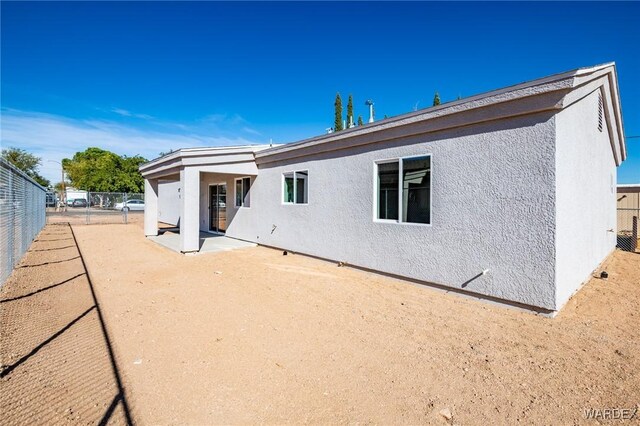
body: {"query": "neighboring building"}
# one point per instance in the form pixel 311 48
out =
pixel 628 216
pixel 629 196
pixel 509 194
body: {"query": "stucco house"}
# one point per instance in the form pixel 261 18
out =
pixel 509 195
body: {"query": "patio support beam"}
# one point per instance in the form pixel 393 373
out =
pixel 150 207
pixel 189 209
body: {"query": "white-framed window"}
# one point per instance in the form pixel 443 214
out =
pixel 242 198
pixel 402 190
pixel 295 187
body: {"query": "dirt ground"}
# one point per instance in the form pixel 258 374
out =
pixel 252 336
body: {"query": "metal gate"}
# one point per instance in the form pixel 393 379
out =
pixel 628 229
pixel 97 207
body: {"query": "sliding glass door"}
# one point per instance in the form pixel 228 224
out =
pixel 218 208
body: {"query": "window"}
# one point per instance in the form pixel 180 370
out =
pixel 403 190
pixel 388 190
pixel 296 187
pixel 242 192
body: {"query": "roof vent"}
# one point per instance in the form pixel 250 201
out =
pixel 600 108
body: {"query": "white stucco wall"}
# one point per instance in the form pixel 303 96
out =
pixel 493 207
pixel 586 195
pixel 169 201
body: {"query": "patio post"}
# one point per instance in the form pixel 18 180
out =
pixel 150 207
pixel 189 210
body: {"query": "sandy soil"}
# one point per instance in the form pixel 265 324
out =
pixel 56 367
pixel 252 336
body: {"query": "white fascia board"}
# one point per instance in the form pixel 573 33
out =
pixel 201 156
pixel 603 77
pixel 563 83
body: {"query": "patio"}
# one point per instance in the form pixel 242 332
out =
pixel 209 243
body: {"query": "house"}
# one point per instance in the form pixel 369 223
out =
pixel 508 195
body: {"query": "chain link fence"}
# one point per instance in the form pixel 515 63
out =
pixel 628 229
pixel 22 215
pixel 98 207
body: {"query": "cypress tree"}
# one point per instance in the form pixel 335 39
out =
pixel 360 123
pixel 350 112
pixel 337 125
pixel 436 99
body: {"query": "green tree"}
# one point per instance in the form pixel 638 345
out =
pixel 360 123
pixel 337 124
pixel 96 169
pixel 436 99
pixel 26 162
pixel 350 111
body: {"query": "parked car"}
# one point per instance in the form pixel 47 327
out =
pixel 131 205
pixel 50 199
pixel 79 202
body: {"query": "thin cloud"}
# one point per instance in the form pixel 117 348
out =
pixel 54 137
pixel 251 131
pixel 127 113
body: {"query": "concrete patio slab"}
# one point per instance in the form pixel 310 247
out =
pixel 209 243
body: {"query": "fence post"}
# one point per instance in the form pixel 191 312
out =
pixel 634 233
pixel 126 208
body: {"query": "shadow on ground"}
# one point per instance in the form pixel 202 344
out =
pixel 57 362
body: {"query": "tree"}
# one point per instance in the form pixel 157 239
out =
pixel 60 186
pixel 26 162
pixel 99 170
pixel 337 125
pixel 360 123
pixel 350 112
pixel 436 99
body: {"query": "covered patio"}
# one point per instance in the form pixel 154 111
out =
pixel 208 243
pixel 212 189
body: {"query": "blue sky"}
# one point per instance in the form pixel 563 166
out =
pixel 140 78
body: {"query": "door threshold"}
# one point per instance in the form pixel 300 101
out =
pixel 214 233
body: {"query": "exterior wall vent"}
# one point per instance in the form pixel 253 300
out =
pixel 600 111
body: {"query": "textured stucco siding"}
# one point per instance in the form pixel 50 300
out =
pixel 207 179
pixel 493 207
pixel 169 201
pixel 586 195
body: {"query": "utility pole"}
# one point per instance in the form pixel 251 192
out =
pixel 64 186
